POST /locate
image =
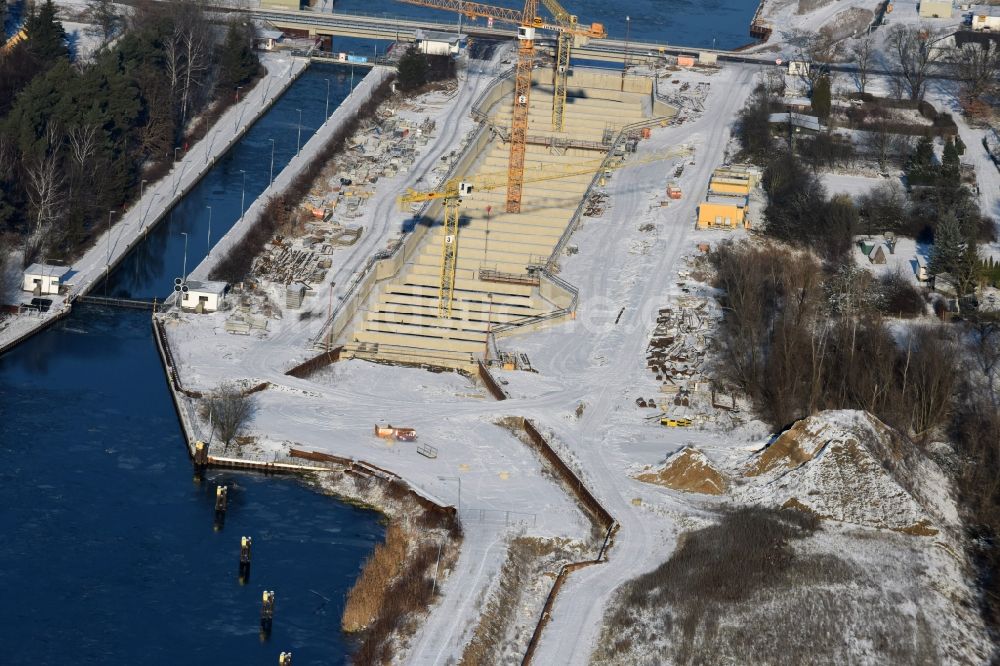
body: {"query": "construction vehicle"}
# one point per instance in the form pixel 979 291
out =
pixel 527 21
pixel 452 191
pixel 399 434
pixel 675 422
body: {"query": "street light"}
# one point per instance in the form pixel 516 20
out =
pixel 298 143
pixel 243 194
pixel 110 213
pixel 628 24
pixel 459 479
pixel 184 271
pixel 209 229
pixel 270 181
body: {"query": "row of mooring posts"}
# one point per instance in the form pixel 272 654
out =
pixel 246 556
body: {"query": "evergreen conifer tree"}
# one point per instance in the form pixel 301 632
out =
pixel 949 245
pixel 950 171
pixel 46 36
pixel 821 102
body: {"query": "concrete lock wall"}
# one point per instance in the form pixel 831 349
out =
pixel 388 268
pixel 594 80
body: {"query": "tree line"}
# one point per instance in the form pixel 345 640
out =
pixel 76 138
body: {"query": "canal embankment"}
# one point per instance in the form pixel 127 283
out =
pixel 335 126
pixel 158 198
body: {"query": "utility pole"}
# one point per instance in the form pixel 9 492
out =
pixel 628 24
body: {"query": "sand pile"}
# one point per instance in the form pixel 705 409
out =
pixel 850 467
pixel 797 445
pixel 687 470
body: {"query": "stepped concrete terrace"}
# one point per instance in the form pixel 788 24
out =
pixel 402 322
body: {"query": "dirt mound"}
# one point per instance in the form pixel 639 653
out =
pixel 797 445
pixel 690 471
pixel 849 466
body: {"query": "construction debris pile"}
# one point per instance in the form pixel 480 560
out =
pixel 285 263
pixel 596 203
pixel 512 361
pixel 243 322
pixel 688 99
pixel 677 356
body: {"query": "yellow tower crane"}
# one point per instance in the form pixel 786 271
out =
pixel 450 193
pixel 527 21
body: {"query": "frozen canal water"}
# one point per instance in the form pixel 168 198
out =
pixel 109 552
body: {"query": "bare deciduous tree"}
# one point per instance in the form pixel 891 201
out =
pixel 229 410
pixel 932 377
pixel 914 58
pixel 45 190
pixel 105 15
pixel 864 54
pixel 978 67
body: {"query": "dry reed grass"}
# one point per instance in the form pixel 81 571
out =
pixel 368 594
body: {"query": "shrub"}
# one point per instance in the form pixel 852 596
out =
pixel 900 297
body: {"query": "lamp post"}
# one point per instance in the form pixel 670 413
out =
pixel 110 213
pixel 628 24
pixel 270 180
pixel 209 228
pixel 298 143
pixel 184 270
pixel 459 479
pixel 243 194
pixel 327 98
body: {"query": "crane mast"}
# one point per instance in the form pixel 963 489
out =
pixel 522 96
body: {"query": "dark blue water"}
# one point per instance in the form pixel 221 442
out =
pixel 151 268
pixel 684 22
pixel 108 551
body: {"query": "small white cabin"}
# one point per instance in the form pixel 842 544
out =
pixel 798 68
pixel 43 279
pixel 920 269
pixel 267 40
pixel 986 17
pixel 203 296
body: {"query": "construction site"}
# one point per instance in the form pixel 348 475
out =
pixel 504 274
